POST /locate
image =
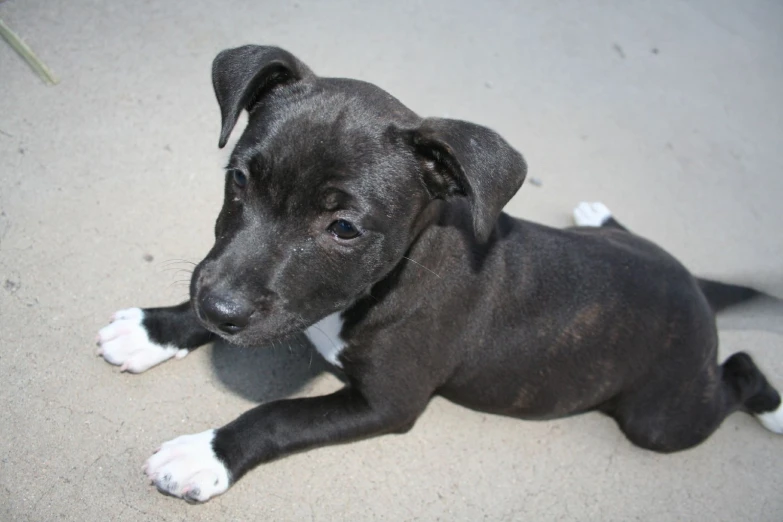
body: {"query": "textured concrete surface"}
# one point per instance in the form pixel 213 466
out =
pixel 669 112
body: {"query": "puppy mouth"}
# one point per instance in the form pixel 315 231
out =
pixel 249 341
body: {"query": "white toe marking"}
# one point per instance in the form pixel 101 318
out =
pixel 772 420
pixel 325 336
pixel 188 468
pixel 591 214
pixel 125 343
pixel 129 313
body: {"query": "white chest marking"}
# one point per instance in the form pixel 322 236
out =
pixel 325 336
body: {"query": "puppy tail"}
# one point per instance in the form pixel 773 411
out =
pixel 722 295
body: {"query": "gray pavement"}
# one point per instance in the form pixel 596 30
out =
pixel 669 112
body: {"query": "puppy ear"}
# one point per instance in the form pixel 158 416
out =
pixel 242 76
pixel 464 159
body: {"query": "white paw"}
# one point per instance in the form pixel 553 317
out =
pixel 125 343
pixel 187 467
pixel 591 214
pixel 772 420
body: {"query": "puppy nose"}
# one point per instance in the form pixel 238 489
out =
pixel 230 314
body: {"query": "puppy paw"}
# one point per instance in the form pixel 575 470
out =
pixel 188 468
pixel 125 342
pixel 591 214
pixel 772 420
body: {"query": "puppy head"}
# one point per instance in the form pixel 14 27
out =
pixel 325 192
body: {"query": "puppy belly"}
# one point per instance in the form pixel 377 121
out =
pixel 539 394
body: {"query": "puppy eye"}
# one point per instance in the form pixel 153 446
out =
pixel 240 178
pixel 344 229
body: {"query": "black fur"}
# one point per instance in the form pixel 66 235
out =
pixel 176 325
pixel 442 293
pixel 721 295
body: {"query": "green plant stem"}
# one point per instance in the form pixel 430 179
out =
pixel 29 56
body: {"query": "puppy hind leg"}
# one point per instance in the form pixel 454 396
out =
pixel 595 214
pixel 665 418
pixel 753 391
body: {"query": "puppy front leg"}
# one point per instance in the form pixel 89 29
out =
pixel 198 467
pixel 137 339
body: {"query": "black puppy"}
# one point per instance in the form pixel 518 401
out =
pixel 381 235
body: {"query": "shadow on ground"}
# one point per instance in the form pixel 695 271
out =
pixel 270 372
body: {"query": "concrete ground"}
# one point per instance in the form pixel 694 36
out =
pixel 669 112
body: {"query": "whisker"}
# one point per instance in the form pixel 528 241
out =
pixel 171 261
pixel 324 334
pixel 174 268
pixel 302 323
pixel 424 267
pixel 182 273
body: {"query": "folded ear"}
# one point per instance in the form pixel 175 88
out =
pixel 242 76
pixel 461 159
